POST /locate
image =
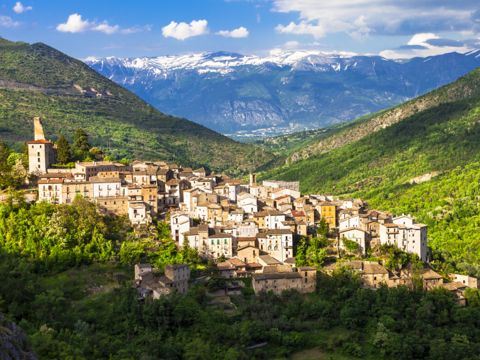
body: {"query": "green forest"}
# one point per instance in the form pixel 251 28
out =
pixel 67 281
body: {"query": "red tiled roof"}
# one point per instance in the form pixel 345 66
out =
pixel 39 142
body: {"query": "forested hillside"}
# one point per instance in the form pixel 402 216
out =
pixel 422 163
pixel 37 80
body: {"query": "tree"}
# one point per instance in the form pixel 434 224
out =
pixel 322 229
pixel 316 252
pixel 81 146
pixel 351 246
pixel 64 153
pixel 300 256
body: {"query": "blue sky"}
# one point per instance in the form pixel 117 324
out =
pixel 392 28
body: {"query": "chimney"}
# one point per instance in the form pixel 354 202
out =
pixel 253 179
pixel 38 129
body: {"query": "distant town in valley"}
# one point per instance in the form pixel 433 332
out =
pixel 248 229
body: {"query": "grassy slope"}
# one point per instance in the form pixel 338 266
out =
pixel 118 119
pixel 379 167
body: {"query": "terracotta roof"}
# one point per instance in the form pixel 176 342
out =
pixel 39 142
pixel 96 179
pixel 225 265
pixel 246 238
pixel 56 175
pixel 51 181
pixel 279 232
pixel 269 260
pixel 220 236
pixel 429 274
pixel 296 213
pixel 390 225
pixel 454 286
pixel 373 268
pixel 172 182
pixel 236 262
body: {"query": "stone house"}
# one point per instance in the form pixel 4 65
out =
pixel 113 205
pixel 277 243
pixel 304 280
pixel 148 284
pixel 220 245
pixel 72 189
pixel 137 213
pixel 179 224
pixel 248 253
pixel 469 281
pixel 406 235
pixel 247 202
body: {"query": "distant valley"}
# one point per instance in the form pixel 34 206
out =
pixel 252 96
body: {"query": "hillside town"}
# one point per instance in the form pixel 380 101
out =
pixel 249 229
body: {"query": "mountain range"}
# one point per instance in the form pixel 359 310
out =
pixel 38 80
pixel 285 91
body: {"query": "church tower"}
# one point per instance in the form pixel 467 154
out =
pixel 41 154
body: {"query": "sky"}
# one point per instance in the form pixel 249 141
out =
pixel 125 28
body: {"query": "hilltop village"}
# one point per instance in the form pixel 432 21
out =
pixel 248 229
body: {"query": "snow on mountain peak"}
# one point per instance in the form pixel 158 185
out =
pixel 225 62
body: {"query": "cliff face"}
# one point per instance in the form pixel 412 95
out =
pixel 13 342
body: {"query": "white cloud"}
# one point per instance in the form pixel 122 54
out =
pixel 421 39
pixel 8 22
pixel 182 31
pixel 359 18
pixel 240 32
pixel 20 8
pixel 302 28
pixel 423 45
pixel 74 24
pixel 106 28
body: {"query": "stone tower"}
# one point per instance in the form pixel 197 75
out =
pixel 41 154
pixel 38 129
pixel 253 179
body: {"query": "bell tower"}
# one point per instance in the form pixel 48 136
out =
pixel 41 154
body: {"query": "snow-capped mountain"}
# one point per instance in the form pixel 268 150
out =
pixel 229 92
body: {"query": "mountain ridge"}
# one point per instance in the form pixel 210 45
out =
pixel 38 80
pixel 376 122
pixel 300 90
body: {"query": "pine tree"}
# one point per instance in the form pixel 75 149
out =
pixel 64 153
pixel 81 146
